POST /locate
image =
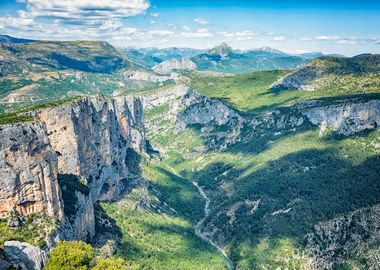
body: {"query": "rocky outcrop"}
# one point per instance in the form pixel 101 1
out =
pixel 139 75
pixel 221 125
pixel 345 117
pixel 357 232
pixel 91 138
pixel 28 169
pixel 299 80
pixel 24 256
pixel 311 76
pixel 171 95
pixel 174 64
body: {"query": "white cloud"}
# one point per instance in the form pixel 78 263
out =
pixel 83 9
pixel 240 35
pixel 186 28
pixel 279 38
pixel 160 32
pixel 152 22
pixel 328 38
pixel 201 21
pixel 154 14
pixel 200 33
pixel 307 39
pixel 111 25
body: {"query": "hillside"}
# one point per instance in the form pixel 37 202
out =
pixel 358 73
pixel 267 161
pixel 42 71
pixel 9 39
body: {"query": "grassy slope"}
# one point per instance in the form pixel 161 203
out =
pixel 250 92
pixel 278 169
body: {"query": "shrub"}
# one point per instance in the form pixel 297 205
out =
pixel 71 255
pixel 110 264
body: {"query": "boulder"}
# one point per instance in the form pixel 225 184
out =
pixel 24 255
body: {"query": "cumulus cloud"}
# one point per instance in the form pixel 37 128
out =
pixel 83 9
pixel 200 33
pixel 201 21
pixel 73 19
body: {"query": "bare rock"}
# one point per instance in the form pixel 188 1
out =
pixel 24 255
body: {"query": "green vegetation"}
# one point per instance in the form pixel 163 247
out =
pixel 14 118
pixel 156 111
pixel 268 191
pixel 74 255
pixel 70 255
pixel 159 234
pixel 251 93
pixel 110 264
pixel 32 229
pixel 223 59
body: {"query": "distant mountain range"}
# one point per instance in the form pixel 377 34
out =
pixel 221 58
pixel 5 38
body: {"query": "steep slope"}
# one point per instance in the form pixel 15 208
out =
pixel 43 71
pixel 89 56
pixel 276 197
pixel 91 139
pixel 360 71
pixel 92 147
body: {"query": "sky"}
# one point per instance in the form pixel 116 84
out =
pixel 345 27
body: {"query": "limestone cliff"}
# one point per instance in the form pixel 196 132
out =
pixel 345 116
pixel 28 169
pixel 90 138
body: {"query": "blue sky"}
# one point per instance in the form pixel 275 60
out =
pixel 348 27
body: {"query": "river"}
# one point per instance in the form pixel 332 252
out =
pixel 199 227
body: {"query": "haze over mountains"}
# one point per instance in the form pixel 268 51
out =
pixel 222 58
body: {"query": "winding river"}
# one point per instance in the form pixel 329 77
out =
pixel 200 224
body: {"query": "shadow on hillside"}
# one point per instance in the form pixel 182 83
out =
pixel 296 192
pixel 258 138
pixel 106 227
pixel 180 194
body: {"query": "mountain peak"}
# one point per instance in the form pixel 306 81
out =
pixel 222 49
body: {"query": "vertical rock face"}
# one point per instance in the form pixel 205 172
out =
pixel 28 170
pixel 344 117
pixel 90 138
